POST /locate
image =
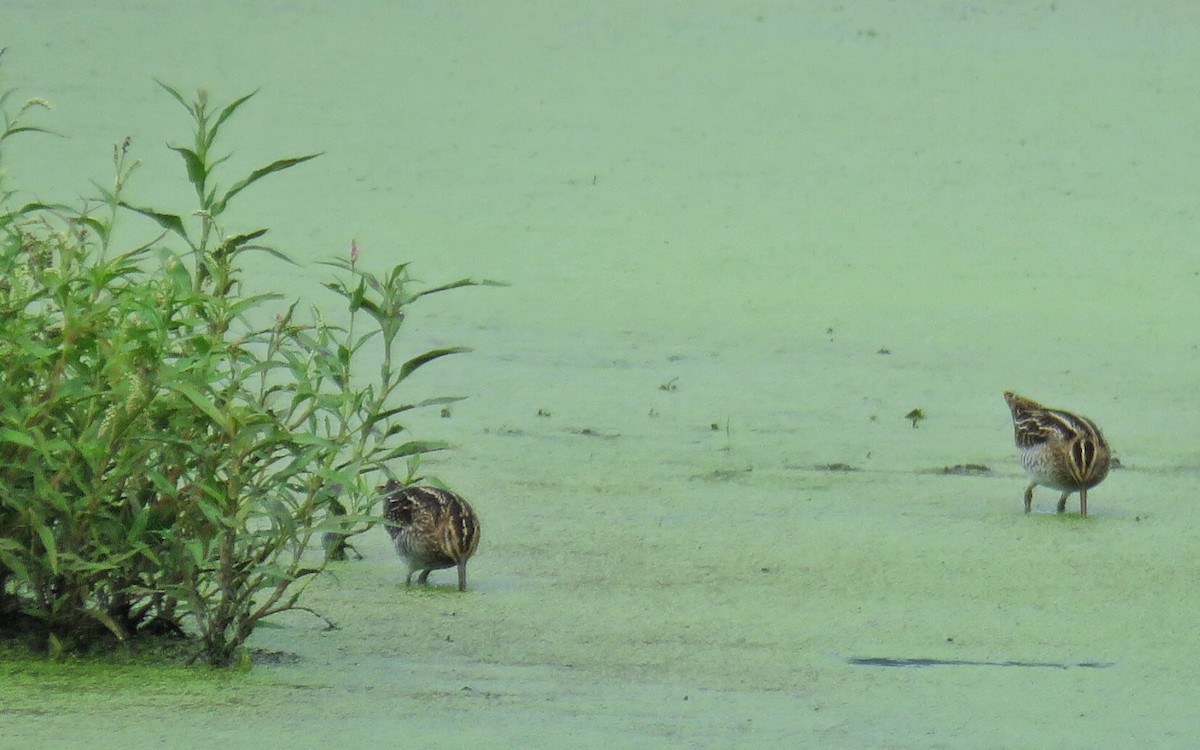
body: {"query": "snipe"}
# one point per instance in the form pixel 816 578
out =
pixel 432 529
pixel 1060 450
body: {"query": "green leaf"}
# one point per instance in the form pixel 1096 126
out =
pixel 204 404
pixel 14 563
pixel 225 115
pixel 133 257
pixel 370 307
pixel 337 287
pixel 99 227
pixel 411 365
pixel 358 297
pixel 107 621
pixel 249 303
pixel 414 447
pixel 196 169
pixel 255 176
pixel 238 240
pixel 456 285
pixel 178 273
pixel 138 528
pixel 175 93
pixel 440 401
pixel 51 548
pixel 341 263
pixel 366 338
pixel 170 222
pixel 195 549
pixel 29 129
pixel 29 208
pixel 20 438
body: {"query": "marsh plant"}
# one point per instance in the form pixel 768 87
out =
pixel 173 448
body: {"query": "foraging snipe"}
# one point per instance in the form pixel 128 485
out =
pixel 1059 449
pixel 432 529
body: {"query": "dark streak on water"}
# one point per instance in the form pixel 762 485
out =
pixel 884 661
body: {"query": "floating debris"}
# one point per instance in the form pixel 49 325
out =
pixel 886 661
pixel 967 470
pixel 589 432
pixel 723 475
pixel 836 467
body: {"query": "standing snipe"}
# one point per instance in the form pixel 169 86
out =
pixel 432 529
pixel 1059 449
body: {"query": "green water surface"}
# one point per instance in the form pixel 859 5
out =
pixel 744 239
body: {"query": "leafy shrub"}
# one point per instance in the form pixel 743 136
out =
pixel 170 450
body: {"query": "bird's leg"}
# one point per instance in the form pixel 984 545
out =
pixel 1029 496
pixel 1083 503
pixel 1062 503
pixel 424 577
pixel 462 575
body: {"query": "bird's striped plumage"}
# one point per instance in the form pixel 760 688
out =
pixel 1060 450
pixel 432 529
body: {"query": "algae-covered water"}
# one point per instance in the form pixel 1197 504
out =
pixel 743 241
